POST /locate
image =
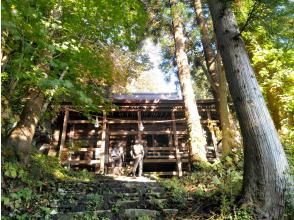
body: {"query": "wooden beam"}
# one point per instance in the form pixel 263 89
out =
pixel 156 109
pixel 164 160
pixel 122 121
pixel 144 132
pixel 79 122
pixel 107 142
pixel 161 156
pixel 78 162
pixel 160 148
pixel 63 135
pixel 103 139
pixel 164 173
pixel 82 149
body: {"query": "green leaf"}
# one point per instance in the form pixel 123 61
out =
pixel 216 181
pixel 13 173
pixel 5 200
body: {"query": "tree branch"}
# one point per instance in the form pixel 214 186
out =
pixel 251 15
pixel 45 106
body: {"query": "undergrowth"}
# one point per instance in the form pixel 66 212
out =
pixel 287 138
pixel 210 191
pixel 27 191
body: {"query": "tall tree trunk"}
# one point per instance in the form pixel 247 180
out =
pixel 209 53
pixel 230 131
pixel 21 136
pixel 224 115
pixel 196 136
pixel 217 81
pixel 265 163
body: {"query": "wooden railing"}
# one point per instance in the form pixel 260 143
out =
pixel 74 158
pixel 164 155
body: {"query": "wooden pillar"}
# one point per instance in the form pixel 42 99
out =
pixel 139 123
pixel 176 143
pixel 170 138
pixel 71 144
pixel 102 148
pixel 71 135
pixel 106 150
pixel 63 135
pixel 97 150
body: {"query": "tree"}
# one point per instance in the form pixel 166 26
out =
pixel 265 164
pixel 63 50
pixel 217 80
pixel 21 136
pixel 196 136
pixel 269 47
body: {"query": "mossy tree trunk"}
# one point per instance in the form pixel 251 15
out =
pixel 196 135
pixel 265 164
pixel 217 80
pixel 20 137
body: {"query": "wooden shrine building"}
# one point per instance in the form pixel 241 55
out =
pixel 158 120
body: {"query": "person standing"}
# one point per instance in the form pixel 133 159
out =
pixel 137 153
pixel 117 159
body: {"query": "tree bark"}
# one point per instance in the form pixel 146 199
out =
pixel 21 136
pixel 196 136
pixel 217 81
pixel 265 163
pixel 224 115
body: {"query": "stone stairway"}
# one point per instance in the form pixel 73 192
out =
pixel 112 198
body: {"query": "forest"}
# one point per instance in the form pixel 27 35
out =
pixel 238 53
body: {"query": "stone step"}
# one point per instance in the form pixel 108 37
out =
pixel 99 214
pixel 116 194
pixel 83 205
pixel 170 212
pixel 109 198
pixel 131 213
pixel 157 203
pixel 103 190
pixel 112 183
pixel 116 180
pixel 110 214
pixel 81 202
pixel 137 213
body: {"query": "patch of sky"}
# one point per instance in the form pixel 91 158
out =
pixel 161 82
